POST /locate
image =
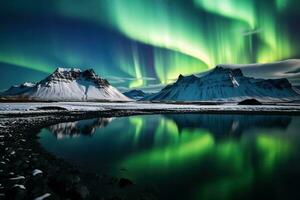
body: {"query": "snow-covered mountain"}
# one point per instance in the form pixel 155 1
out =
pixel 225 84
pixel 135 94
pixel 67 84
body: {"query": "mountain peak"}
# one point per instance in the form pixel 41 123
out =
pixel 89 73
pixel 64 69
pixel 219 69
pixel 189 78
pixel 180 76
pixel 72 74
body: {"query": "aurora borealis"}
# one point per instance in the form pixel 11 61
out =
pixel 142 43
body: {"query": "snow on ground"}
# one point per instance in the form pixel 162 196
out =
pixel 16 108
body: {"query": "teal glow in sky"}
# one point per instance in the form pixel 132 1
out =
pixel 142 43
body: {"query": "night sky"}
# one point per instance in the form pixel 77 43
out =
pixel 142 43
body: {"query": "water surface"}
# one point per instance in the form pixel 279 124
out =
pixel 188 156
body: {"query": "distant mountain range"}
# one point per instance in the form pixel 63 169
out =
pixel 135 94
pixel 225 84
pixel 67 84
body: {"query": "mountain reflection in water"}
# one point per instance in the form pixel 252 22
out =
pixel 196 156
pixel 83 127
pixel 216 124
pixel 230 124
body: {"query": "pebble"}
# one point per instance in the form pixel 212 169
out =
pixel 43 196
pixel 36 172
pixel 17 178
pixel 20 186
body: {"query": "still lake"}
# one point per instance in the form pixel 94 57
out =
pixel 188 156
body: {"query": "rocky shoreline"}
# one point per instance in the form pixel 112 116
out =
pixel 27 171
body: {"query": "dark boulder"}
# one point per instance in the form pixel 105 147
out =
pixel 51 108
pixel 124 182
pixel 250 102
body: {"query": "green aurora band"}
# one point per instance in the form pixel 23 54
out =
pixel 186 36
pixel 225 39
